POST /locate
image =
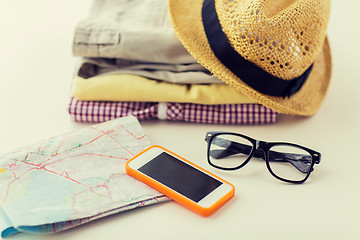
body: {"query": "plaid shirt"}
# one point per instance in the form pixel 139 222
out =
pixel 100 111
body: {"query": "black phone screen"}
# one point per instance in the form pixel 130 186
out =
pixel 179 176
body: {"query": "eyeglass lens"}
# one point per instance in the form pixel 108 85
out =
pixel 229 151
pixel 285 161
pixel 289 162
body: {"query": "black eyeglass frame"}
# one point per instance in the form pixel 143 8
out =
pixel 265 148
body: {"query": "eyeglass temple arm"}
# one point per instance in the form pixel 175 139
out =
pixel 299 161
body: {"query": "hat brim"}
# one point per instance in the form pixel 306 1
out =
pixel 187 23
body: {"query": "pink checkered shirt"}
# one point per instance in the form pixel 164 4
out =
pixel 100 111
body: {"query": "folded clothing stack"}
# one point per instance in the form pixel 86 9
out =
pixel 133 63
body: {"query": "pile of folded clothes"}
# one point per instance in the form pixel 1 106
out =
pixel 132 63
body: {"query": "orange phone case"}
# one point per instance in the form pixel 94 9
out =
pixel 172 193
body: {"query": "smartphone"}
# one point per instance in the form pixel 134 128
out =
pixel 180 180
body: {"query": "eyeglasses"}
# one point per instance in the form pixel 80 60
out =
pixel 285 161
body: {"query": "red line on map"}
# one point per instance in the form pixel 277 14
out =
pixel 101 155
pixel 107 133
pixel 127 130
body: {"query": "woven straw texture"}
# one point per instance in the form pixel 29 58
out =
pixel 283 37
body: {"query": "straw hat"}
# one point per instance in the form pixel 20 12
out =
pixel 274 51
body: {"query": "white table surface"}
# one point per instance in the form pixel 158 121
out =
pixel 36 66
